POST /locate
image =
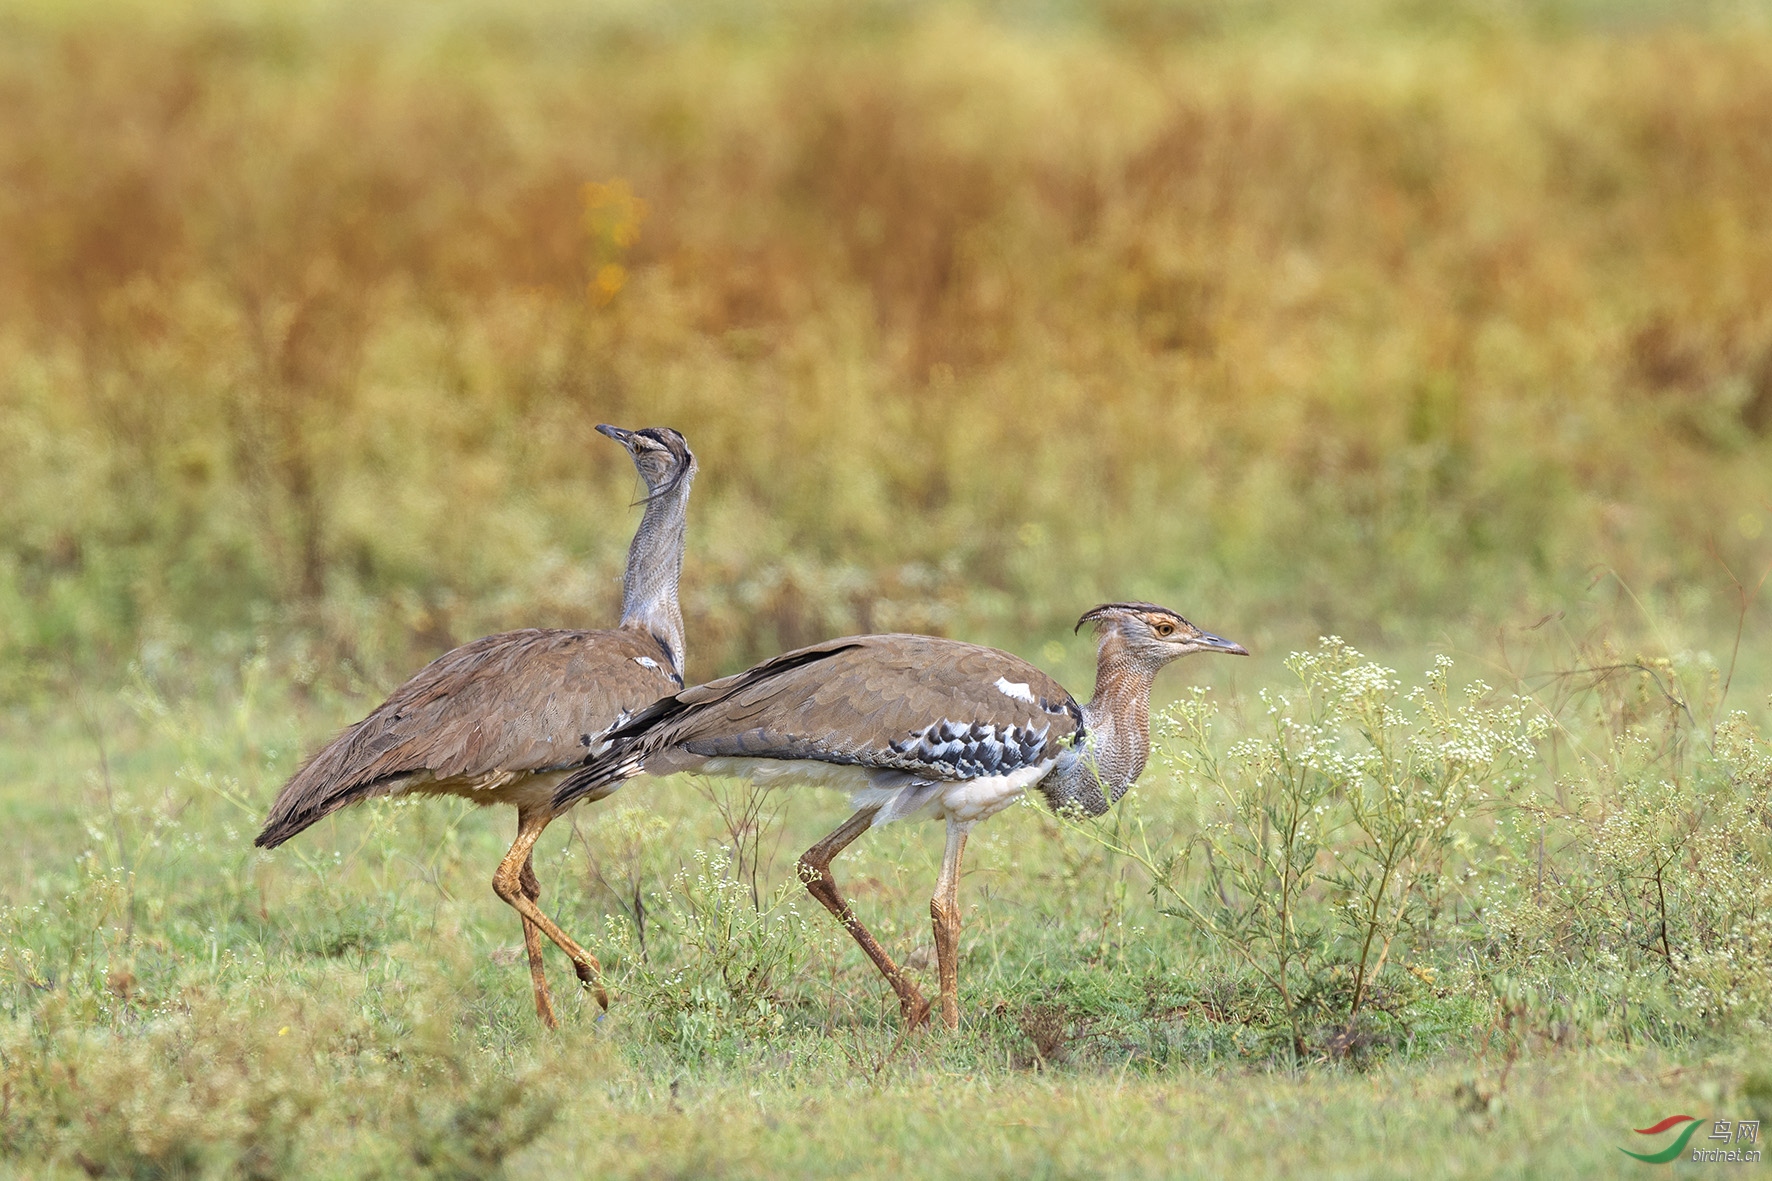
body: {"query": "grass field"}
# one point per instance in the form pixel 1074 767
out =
pixel 179 1004
pixel 1446 330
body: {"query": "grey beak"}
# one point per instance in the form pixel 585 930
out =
pixel 615 432
pixel 1220 644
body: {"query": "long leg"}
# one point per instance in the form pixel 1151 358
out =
pixel 944 908
pixel 508 884
pixel 815 871
pixel 544 1005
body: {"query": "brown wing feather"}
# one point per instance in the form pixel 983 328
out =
pixel 854 705
pixel 524 701
pixel 865 700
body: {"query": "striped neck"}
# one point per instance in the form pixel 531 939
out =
pixel 655 565
pixel 1111 754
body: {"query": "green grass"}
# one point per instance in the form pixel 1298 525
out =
pixel 176 1003
pixel 1561 1119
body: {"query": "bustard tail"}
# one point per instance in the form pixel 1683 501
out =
pixel 320 788
pixel 624 750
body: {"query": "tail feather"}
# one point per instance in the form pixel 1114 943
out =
pixel 600 774
pixel 625 749
pixel 282 824
pixel 320 788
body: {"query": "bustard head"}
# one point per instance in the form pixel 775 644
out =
pixel 1153 635
pixel 664 459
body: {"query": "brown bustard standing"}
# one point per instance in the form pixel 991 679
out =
pixel 502 720
pixel 914 726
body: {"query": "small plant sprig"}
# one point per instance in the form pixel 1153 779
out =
pixel 1657 884
pixel 727 961
pixel 1325 836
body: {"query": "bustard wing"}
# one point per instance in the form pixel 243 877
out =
pixel 934 709
pixel 520 702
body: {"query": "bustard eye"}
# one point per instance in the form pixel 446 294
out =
pixel 1163 630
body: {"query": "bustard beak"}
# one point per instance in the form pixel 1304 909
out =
pixel 1214 643
pixel 615 432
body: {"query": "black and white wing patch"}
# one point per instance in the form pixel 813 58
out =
pixel 969 750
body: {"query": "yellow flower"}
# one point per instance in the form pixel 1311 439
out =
pixel 611 277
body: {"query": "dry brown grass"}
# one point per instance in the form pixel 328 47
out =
pixel 309 318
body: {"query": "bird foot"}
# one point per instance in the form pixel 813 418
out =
pixel 593 980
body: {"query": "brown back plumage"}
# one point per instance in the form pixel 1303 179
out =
pixel 870 701
pixel 525 701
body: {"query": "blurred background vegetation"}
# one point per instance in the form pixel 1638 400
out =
pixel 1445 327
pixel 1387 319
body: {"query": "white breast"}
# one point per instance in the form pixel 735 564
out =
pixel 898 795
pixel 970 800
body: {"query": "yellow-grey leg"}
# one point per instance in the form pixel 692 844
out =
pixel 815 871
pixel 544 1004
pixel 508 884
pixel 944 909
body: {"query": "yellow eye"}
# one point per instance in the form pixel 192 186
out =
pixel 1163 630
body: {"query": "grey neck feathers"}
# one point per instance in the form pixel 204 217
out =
pixel 655 564
pixel 1094 774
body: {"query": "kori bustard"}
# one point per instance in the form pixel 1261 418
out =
pixel 914 726
pixel 502 720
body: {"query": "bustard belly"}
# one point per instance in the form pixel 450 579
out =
pixel 520 789
pixel 899 795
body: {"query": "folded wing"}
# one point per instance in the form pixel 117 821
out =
pixel 930 708
pixel 518 702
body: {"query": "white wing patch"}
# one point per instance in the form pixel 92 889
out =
pixel 1019 690
pixel 645 662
